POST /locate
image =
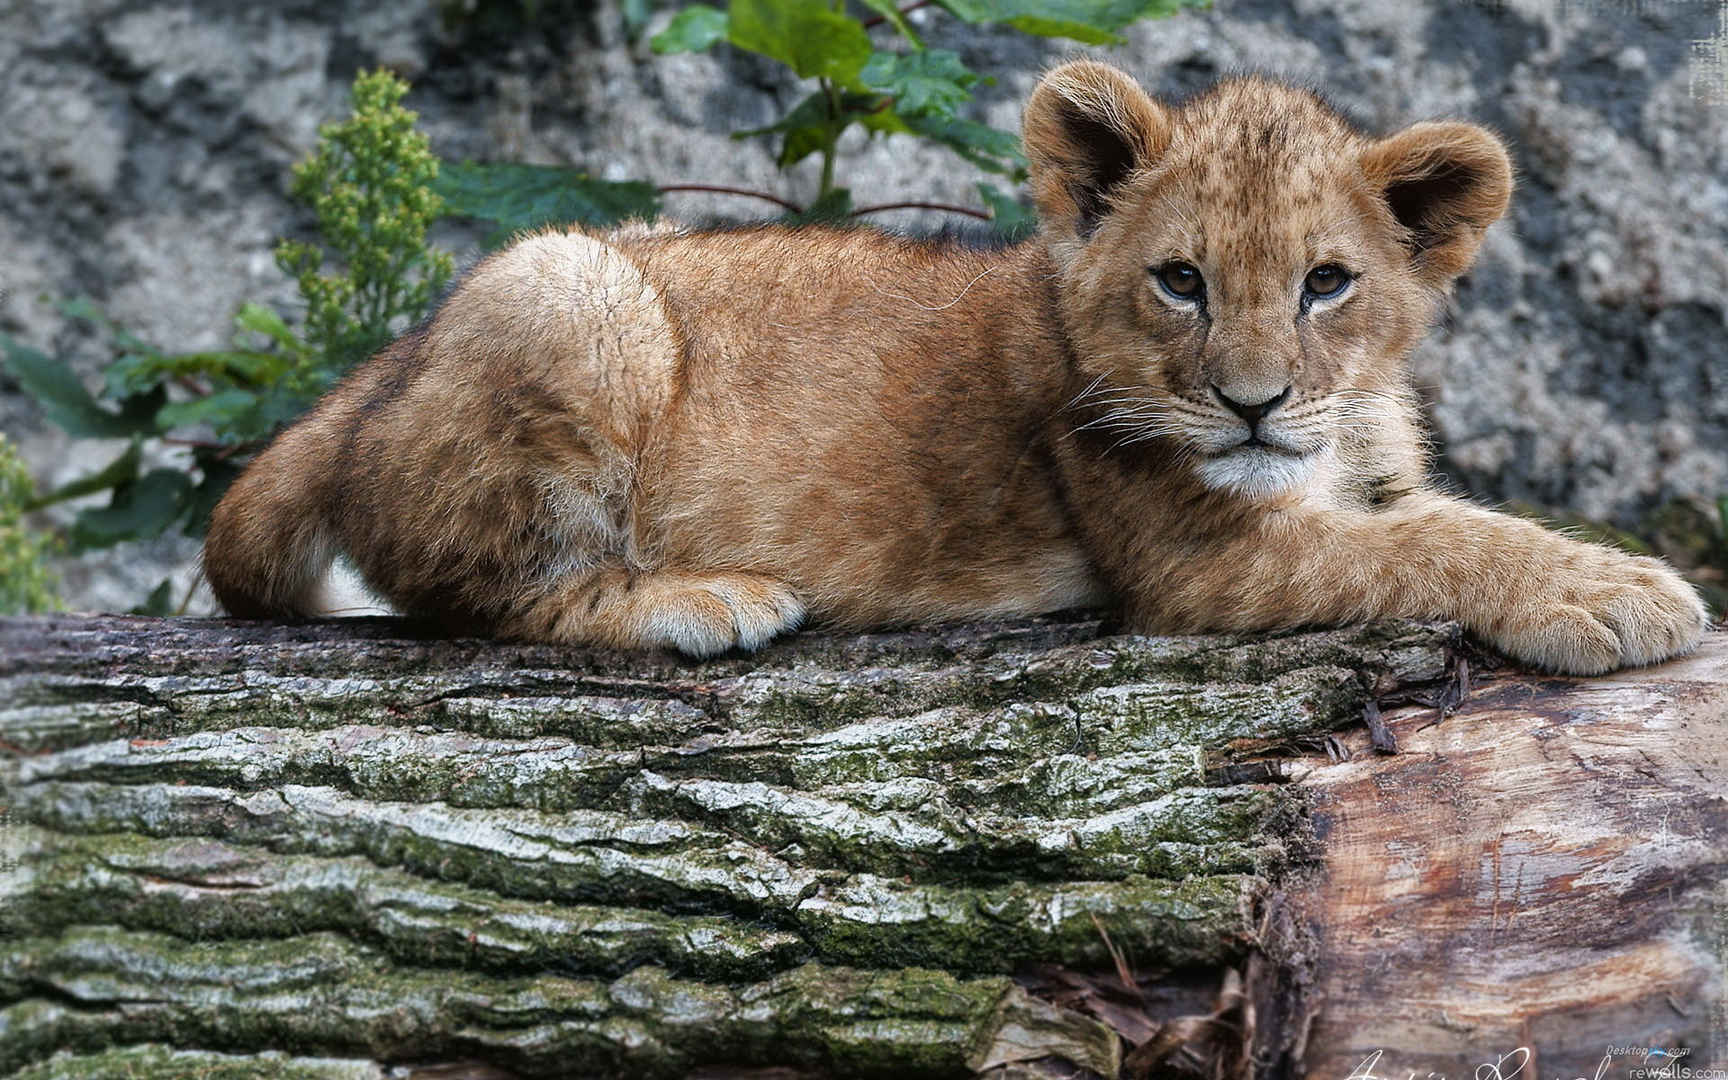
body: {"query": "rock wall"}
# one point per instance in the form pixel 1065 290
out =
pixel 145 147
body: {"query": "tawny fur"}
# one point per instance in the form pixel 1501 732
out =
pixel 653 438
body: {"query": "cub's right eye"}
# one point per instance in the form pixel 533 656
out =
pixel 1181 280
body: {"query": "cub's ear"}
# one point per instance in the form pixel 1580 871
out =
pixel 1087 127
pixel 1445 183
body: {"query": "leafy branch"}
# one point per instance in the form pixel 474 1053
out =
pixel 918 91
pixel 910 91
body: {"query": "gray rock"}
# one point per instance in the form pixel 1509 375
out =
pixel 144 149
pixel 60 129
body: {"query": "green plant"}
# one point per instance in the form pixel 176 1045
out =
pixel 26 583
pixel 517 197
pixel 368 185
pixel 918 91
pixel 910 90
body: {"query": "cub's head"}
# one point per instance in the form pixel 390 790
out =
pixel 1247 273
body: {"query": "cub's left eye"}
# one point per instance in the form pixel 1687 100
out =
pixel 1326 280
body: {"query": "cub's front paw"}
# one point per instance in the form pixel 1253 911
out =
pixel 709 615
pixel 1600 611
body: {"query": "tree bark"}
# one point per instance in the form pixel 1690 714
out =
pixel 342 849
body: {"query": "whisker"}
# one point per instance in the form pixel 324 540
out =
pixel 1120 420
pixel 1095 388
pixel 940 307
pixel 1122 394
pixel 1082 395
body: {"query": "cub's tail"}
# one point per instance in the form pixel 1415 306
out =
pixel 270 543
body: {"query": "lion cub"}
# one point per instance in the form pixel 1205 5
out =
pixel 1187 396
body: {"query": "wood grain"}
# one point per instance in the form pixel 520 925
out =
pixel 1545 869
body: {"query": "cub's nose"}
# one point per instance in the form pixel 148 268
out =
pixel 1252 412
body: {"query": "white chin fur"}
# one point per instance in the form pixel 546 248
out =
pixel 1255 473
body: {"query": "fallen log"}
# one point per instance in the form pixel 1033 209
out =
pixel 1030 849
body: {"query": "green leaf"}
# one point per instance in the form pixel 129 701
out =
pixel 220 410
pixel 138 511
pixel 133 373
pixel 1094 22
pixel 86 310
pixel 1007 214
pixel 889 10
pixel 139 373
pixel 122 470
pixel 991 149
pixel 805 129
pixel 62 396
pixel 808 36
pixel 929 83
pixel 884 122
pixel 262 320
pixel 250 366
pixel 696 28
pixel 139 410
pixel 144 368
pixel 159 602
pixel 518 197
pixel 833 207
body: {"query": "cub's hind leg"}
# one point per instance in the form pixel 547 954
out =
pixel 699 614
pixel 498 491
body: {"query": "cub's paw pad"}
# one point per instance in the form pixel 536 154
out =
pixel 725 612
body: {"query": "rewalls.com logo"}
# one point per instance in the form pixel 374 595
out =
pixel 1627 1061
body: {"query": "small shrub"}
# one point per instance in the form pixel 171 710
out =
pixel 26 584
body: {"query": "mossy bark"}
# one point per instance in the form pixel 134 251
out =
pixel 323 849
